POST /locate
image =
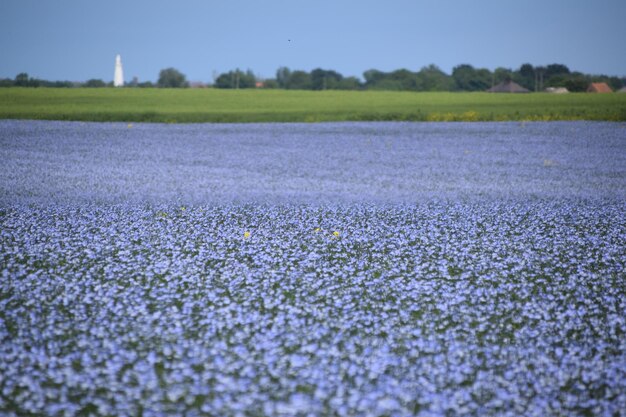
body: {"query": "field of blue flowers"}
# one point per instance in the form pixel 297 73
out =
pixel 356 269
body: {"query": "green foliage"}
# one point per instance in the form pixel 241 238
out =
pixel 348 83
pixel 405 78
pixel 432 78
pixel 145 84
pixel 372 77
pixel 93 83
pixel 299 80
pixel 386 84
pixel 267 105
pixel 172 78
pixel 318 79
pixel 325 79
pixel 501 74
pixel 271 83
pixel 282 76
pixel 576 83
pixel 556 69
pixel 236 79
pixel 468 78
pixel 525 76
pixel 21 80
pixel 429 78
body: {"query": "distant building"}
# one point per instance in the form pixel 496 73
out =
pixel 259 84
pixel 508 87
pixel 622 90
pixel 557 90
pixel 197 84
pixel 118 78
pixel 599 88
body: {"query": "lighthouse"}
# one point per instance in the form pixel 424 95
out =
pixel 118 79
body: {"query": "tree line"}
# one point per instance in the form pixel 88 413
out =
pixel 168 78
pixel 464 77
pixel 430 78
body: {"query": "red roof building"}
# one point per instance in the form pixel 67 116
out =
pixel 599 88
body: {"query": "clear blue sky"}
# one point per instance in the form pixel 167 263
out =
pixel 78 39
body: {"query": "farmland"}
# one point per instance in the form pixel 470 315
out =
pixel 341 269
pixel 214 105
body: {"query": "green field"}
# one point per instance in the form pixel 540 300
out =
pixel 213 105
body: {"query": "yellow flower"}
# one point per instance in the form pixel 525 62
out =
pixel 336 233
pixel 246 235
pixel 549 163
pixel 130 125
pixel 317 229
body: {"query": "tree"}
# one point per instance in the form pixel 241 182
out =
pixel 540 75
pixel 94 83
pixel 553 75
pixel 526 70
pixel 348 83
pixel 387 84
pixel 270 83
pixel 145 84
pixel 556 69
pixel 373 76
pixel 398 80
pixel 405 78
pixel 468 78
pixel 525 76
pixel 325 79
pixel 502 74
pixel 616 83
pixel 21 80
pixel 299 80
pixel 432 78
pixel 224 81
pixel 172 78
pixel 282 76
pixel 576 82
pixel 236 79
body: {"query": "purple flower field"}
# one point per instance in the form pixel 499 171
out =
pixel 353 269
pixel 61 162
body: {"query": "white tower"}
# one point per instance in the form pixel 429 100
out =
pixel 118 79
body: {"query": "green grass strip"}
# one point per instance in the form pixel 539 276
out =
pixel 244 106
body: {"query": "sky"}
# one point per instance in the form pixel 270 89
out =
pixel 77 40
